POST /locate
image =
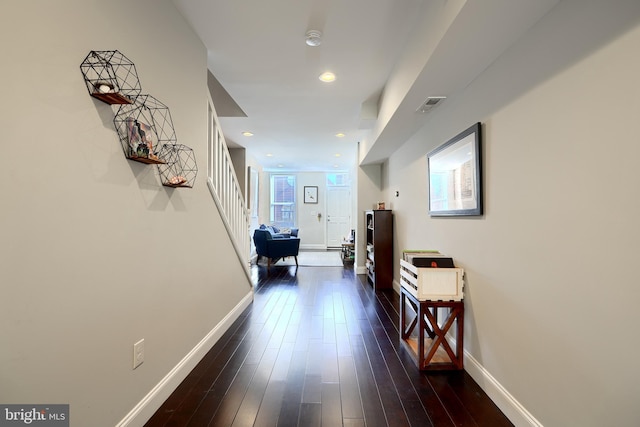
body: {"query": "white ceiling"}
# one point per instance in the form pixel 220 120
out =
pixel 404 49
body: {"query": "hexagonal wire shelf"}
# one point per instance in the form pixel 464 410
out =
pixel 180 169
pixel 143 127
pixel 110 77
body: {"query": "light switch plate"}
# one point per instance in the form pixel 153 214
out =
pixel 138 353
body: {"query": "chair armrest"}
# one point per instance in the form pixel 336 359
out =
pixel 283 247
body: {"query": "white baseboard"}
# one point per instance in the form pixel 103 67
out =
pixel 508 404
pixel 313 247
pixel 361 270
pixel 141 413
pixel 396 286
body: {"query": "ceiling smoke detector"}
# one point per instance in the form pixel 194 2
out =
pixel 431 102
pixel 313 38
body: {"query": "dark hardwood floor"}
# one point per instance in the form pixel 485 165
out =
pixel 318 347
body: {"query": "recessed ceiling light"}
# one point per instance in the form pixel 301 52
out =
pixel 280 166
pixel 337 155
pixel 327 77
pixel 340 135
pixel 247 133
pixel 336 166
pixel 269 155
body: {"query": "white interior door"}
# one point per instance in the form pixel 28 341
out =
pixel 338 215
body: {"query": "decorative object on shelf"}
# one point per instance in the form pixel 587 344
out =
pixel 179 169
pixel 310 194
pixel 143 127
pixel 454 170
pixel 381 206
pixel 143 123
pixel 110 77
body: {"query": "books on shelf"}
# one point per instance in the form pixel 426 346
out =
pixel 427 258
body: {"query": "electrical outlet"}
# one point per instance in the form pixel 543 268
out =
pixel 138 353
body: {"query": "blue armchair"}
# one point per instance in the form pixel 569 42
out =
pixel 274 247
pixel 277 232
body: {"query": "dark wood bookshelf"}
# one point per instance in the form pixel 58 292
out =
pixel 379 248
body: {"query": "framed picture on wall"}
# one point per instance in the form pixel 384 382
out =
pixel 310 194
pixel 455 174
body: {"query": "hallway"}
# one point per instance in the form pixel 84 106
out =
pixel 318 347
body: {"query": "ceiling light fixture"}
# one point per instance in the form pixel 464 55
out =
pixel 327 77
pixel 340 135
pixel 313 38
pixel 247 133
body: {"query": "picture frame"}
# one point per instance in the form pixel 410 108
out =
pixel 455 175
pixel 311 194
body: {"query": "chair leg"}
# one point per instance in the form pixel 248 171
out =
pixel 296 258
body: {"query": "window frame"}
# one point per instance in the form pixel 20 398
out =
pixel 292 204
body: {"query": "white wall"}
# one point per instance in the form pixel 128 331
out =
pixel 551 292
pixel 369 181
pixel 313 230
pixel 254 218
pixel 239 159
pixel 96 254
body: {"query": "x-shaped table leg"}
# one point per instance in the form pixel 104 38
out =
pixel 406 330
pixel 440 333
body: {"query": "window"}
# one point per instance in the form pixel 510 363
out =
pixel 283 200
pixel 338 180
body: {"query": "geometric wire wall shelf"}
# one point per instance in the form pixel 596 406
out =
pixel 110 77
pixel 143 128
pixel 179 169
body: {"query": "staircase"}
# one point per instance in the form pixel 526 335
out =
pixel 225 189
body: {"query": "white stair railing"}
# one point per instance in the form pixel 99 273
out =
pixel 225 189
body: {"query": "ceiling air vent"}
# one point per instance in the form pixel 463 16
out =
pixel 431 102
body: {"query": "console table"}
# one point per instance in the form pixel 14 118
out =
pixel 428 343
